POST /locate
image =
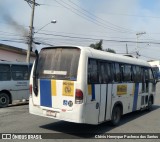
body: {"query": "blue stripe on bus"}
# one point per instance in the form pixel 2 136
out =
pixel 93 92
pixel 45 93
pixel 135 97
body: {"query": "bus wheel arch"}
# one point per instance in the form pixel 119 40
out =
pixel 7 96
pixel 117 112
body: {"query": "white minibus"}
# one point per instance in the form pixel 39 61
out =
pixel 84 85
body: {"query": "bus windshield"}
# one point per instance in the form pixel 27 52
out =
pixel 58 63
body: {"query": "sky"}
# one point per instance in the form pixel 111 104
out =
pixel 83 22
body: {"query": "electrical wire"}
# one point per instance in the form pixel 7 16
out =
pixel 116 26
pixel 86 17
pixel 149 57
pixel 77 37
pixel 12 41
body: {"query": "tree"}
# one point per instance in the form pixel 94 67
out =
pixel 97 45
pixel 110 50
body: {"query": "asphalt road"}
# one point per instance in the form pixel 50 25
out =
pixel 16 119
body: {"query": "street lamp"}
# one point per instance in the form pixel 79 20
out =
pixel 53 22
pixel 138 35
pixel 32 34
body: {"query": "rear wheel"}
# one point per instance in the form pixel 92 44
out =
pixel 116 115
pixel 4 100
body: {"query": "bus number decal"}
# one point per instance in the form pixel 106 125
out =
pixel 68 88
pixel 121 89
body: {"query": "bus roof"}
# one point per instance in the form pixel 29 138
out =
pixel 98 54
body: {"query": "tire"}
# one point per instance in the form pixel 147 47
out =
pixel 150 104
pixel 4 100
pixel 116 115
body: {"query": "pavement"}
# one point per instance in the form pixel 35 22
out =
pixel 16 119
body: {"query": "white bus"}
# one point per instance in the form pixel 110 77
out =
pixel 14 82
pixel 84 85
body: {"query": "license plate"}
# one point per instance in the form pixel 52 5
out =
pixel 51 113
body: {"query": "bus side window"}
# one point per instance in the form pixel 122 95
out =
pixel 5 74
pixel 117 76
pixel 147 75
pixel 127 73
pixel 93 71
pixel 151 77
pixel 122 72
pixel 105 75
pixel 20 72
pixel 103 78
pixel 143 80
pixel 110 72
pixel 136 74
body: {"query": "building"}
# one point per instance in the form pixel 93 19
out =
pixel 154 63
pixel 11 53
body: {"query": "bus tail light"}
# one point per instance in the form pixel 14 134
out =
pixel 79 96
pixel 30 89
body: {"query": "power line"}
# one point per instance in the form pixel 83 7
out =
pixel 134 15
pixel 77 37
pixel 97 38
pixel 11 35
pixel 12 41
pixel 149 57
pixel 44 43
pixel 75 34
pixel 12 38
pixel 86 17
pixel 72 39
pixel 116 26
pixel 93 35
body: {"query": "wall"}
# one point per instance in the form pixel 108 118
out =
pixel 154 63
pixel 12 56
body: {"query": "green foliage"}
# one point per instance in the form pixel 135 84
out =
pixel 99 46
pixel 110 50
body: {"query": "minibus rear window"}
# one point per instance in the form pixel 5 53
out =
pixel 58 63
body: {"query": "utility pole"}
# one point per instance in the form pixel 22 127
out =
pixel 32 4
pixel 126 49
pixel 138 34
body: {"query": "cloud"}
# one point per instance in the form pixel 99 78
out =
pixel 116 16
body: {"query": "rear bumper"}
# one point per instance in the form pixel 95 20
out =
pixel 70 116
